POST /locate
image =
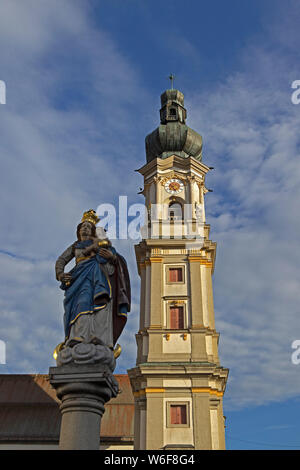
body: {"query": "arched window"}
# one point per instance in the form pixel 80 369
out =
pixel 175 211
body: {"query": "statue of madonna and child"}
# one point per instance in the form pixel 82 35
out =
pixel 97 297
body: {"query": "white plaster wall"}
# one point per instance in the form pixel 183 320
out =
pixel 147 295
pixel 214 429
pixel 203 271
pixel 176 344
pixel 209 346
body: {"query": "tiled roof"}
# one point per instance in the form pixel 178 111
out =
pixel 29 410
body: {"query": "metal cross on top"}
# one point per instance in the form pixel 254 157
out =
pixel 171 77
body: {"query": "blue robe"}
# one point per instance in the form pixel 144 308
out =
pixel 90 289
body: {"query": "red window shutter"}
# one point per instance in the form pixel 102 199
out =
pixel 175 275
pixel 183 416
pixel 173 317
pixel 176 318
pixel 173 413
pixel 178 414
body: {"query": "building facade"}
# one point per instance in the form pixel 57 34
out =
pixel 178 382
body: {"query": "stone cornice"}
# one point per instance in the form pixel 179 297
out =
pixel 174 163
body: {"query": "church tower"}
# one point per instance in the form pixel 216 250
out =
pixel 178 383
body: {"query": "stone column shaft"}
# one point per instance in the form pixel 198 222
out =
pixel 83 391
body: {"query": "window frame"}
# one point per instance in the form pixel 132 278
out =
pixel 178 403
pixel 175 218
pixel 176 304
pixel 182 267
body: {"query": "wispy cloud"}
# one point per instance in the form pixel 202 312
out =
pixel 68 118
pixel 278 427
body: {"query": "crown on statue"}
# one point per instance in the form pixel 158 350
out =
pixel 90 216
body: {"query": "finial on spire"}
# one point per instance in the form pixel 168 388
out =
pixel 171 77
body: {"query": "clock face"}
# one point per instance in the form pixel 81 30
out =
pixel 174 186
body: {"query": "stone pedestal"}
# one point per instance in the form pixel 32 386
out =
pixel 83 390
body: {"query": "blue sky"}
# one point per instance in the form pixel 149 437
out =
pixel 83 82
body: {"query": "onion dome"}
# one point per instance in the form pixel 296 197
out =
pixel 173 136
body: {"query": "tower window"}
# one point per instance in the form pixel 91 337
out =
pixel 176 317
pixel 172 111
pixel 175 275
pixel 178 414
pixel 175 211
